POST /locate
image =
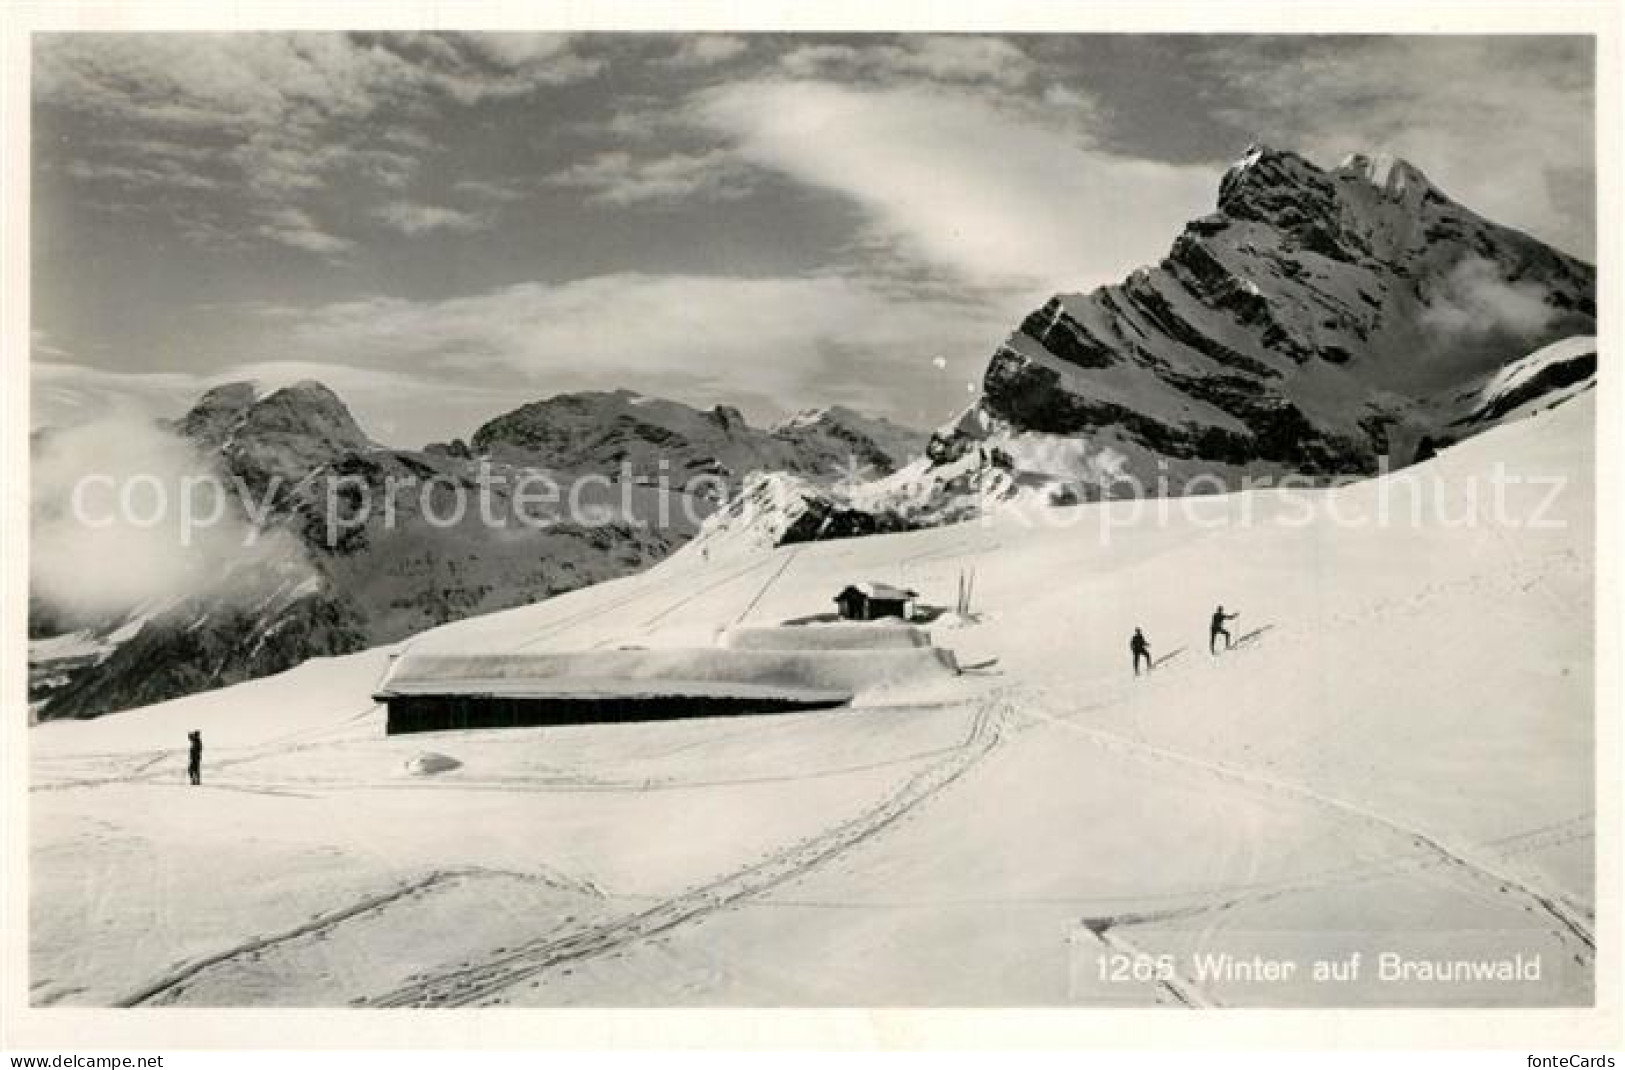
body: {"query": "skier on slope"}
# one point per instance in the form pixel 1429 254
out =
pixel 1140 648
pixel 1217 629
pixel 194 761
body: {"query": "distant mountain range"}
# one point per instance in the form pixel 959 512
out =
pixel 318 591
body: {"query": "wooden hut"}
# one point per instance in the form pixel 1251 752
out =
pixel 872 601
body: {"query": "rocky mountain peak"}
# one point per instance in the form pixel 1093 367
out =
pixel 307 408
pixel 1366 199
pixel 830 416
pixel 610 432
pixel 728 417
pixel 1263 176
pixel 1397 178
pixel 1316 321
pixel 218 412
pixel 283 432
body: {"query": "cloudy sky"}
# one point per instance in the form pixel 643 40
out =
pixel 442 227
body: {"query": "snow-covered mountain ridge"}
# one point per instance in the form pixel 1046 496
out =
pixel 309 588
pixel 623 432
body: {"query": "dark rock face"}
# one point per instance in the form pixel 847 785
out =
pixel 837 442
pixel 1308 323
pixel 825 520
pixel 1064 336
pixel 455 448
pixel 1552 377
pixel 781 509
pixel 283 435
pixel 171 656
pixel 727 417
pixel 217 413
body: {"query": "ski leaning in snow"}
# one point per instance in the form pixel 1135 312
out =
pixel 1166 658
pixel 1251 638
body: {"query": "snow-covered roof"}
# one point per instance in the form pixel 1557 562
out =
pixel 883 592
pixel 814 672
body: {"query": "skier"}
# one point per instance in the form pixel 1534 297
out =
pixel 194 763
pixel 1140 649
pixel 1217 629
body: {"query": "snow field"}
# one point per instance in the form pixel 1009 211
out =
pixel 1400 752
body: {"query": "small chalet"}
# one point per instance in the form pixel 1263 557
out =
pixel 872 601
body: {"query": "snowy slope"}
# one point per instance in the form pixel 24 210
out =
pixel 1549 376
pixel 1376 767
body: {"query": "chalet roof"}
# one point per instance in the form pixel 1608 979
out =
pixel 881 592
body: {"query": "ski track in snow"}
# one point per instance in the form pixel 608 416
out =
pixel 168 987
pixel 767 585
pixel 1550 904
pixel 715 585
pixel 142 772
pixel 639 593
pixel 484 982
pixel 584 784
pixel 523 784
pixel 952 762
pixel 1183 990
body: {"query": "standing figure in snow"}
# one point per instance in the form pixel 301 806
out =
pixel 1217 629
pixel 1140 649
pixel 194 762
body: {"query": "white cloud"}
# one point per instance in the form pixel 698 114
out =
pixel 162 173
pixel 945 58
pixel 65 393
pixel 515 51
pixel 392 405
pixel 638 119
pixel 1475 300
pixel 494 192
pixel 529 59
pixel 295 228
pixel 40 345
pixel 706 50
pixel 995 195
pixel 282 114
pixel 770 345
pixel 108 521
pixel 411 218
pixel 620 179
pixel 233 82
